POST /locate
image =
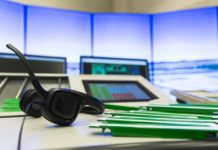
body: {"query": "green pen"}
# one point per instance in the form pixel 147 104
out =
pixel 161 131
pixel 120 107
pixel 155 122
pixel 183 109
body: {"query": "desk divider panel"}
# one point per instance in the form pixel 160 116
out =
pixel 11 86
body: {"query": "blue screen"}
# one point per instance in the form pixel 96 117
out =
pixel 58 33
pixel 186 35
pixel 186 49
pixel 122 36
pixel 11 26
pixel 178 42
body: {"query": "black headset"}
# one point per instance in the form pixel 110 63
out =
pixel 58 105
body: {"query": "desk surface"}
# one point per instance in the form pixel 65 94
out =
pixel 41 134
pixel 9 132
pixel 75 136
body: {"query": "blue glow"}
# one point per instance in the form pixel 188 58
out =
pixel 176 36
pixel 113 61
pixel 186 35
pixel 122 35
pixel 32 57
pixel 58 33
pixel 12 25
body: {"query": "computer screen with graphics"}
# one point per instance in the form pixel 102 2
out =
pixel 107 65
pixel 40 64
pixel 118 91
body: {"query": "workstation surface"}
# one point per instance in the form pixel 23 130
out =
pixel 38 133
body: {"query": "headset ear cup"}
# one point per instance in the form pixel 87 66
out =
pixel 93 105
pixel 26 103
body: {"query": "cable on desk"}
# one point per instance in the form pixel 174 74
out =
pixel 12 116
pixel 21 128
pixel 20 133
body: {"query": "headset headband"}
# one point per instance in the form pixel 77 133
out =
pixel 33 78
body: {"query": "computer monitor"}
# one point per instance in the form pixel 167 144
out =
pixel 118 91
pixel 107 65
pixel 40 64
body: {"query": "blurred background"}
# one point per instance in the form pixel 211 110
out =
pixel 179 38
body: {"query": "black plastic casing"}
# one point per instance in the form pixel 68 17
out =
pixel 62 106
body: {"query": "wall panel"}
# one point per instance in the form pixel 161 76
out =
pixel 122 35
pixel 186 35
pixel 11 26
pixel 58 33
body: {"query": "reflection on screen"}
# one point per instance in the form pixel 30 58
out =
pixel 98 68
pixel 118 91
pixel 39 64
pixel 103 65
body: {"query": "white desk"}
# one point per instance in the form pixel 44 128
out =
pixel 41 134
pixel 9 132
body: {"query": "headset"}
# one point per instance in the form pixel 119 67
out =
pixel 57 105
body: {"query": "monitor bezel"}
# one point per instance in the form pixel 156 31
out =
pixel 144 89
pixel 42 56
pixel 147 76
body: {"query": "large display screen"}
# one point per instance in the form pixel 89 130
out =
pixel 106 65
pixel 118 91
pixel 39 64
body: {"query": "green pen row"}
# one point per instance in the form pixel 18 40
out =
pixel 159 130
pixel 173 108
pixel 158 121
